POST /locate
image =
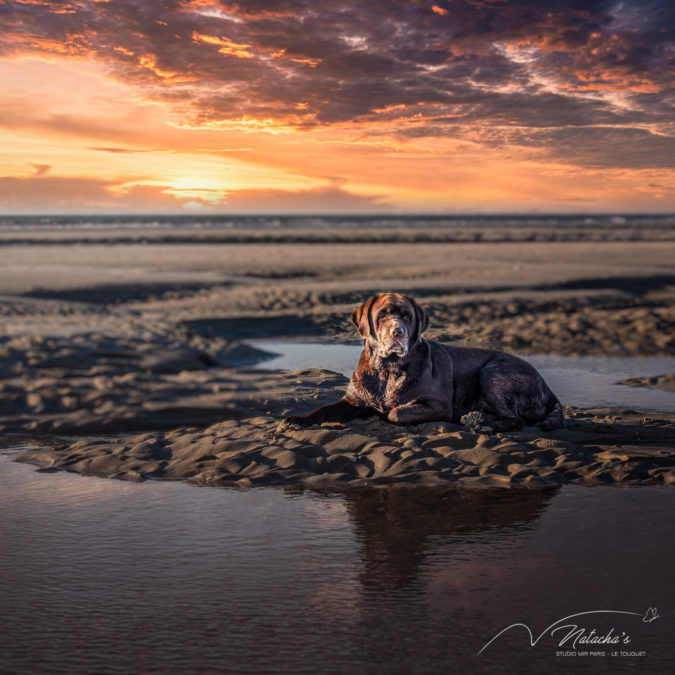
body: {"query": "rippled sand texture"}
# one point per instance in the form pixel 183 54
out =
pixel 597 447
pixel 101 333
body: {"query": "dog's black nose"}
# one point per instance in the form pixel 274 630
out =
pixel 396 331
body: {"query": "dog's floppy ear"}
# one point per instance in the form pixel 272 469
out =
pixel 421 320
pixel 362 319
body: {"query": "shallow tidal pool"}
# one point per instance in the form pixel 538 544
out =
pixel 103 576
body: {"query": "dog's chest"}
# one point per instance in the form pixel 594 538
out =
pixel 384 393
pixel 394 390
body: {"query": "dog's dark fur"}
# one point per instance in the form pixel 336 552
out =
pixel 409 380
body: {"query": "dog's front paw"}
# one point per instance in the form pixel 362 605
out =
pixel 395 416
pixel 477 422
pixel 298 420
pixel 473 418
pixel 292 422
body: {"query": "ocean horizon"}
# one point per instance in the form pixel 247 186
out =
pixel 327 221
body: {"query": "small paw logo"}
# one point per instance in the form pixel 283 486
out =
pixel 650 615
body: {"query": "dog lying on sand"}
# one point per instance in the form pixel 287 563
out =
pixel 409 380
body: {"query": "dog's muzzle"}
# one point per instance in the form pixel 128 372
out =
pixel 394 341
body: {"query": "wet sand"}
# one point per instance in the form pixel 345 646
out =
pixel 146 340
pixel 665 382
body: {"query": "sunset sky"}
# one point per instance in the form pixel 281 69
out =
pixel 297 106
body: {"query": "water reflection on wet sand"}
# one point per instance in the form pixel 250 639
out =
pixel 104 576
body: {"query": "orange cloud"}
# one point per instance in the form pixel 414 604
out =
pixel 149 62
pixel 227 47
pixel 40 169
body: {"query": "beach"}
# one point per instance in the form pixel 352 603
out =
pixel 196 198
pixel 126 352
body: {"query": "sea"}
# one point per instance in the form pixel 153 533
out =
pixel 21 223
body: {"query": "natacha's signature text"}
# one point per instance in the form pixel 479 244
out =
pixel 581 636
pixel 571 635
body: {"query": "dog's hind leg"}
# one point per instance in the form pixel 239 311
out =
pixel 513 394
pixel 555 418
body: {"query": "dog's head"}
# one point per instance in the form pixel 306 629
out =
pixel 391 324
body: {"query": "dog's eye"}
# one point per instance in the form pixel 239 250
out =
pixel 405 315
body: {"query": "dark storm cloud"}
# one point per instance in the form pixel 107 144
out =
pixel 533 65
pixel 609 147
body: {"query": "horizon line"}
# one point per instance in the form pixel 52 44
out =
pixel 347 214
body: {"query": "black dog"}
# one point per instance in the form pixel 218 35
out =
pixel 408 380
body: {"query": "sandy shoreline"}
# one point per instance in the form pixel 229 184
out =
pixel 147 340
pixel 596 447
pixel 665 381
